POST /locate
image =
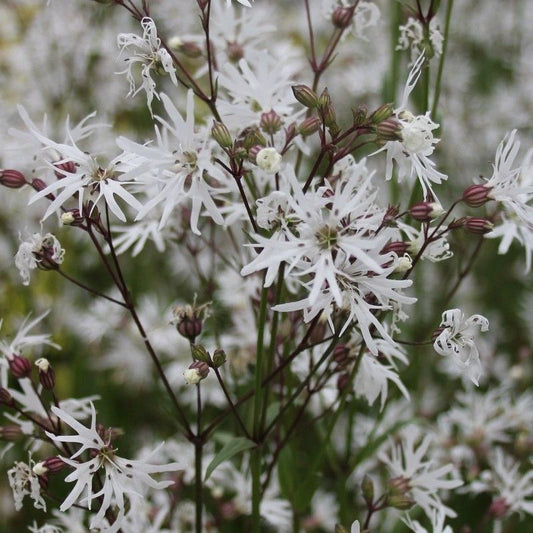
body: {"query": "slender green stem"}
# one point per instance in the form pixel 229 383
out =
pixel 256 423
pixel 442 57
pixel 198 455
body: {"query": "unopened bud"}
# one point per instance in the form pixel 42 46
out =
pixel 12 179
pixel 341 353
pixel 270 122
pixel 235 51
pixel 71 217
pixel 6 398
pixel 342 17
pixel 269 160
pixel 196 372
pixel 200 353
pixel 219 357
pixel 476 195
pixel 398 496
pixel 426 211
pixel 190 49
pixel 359 114
pixel 478 226
pixel 398 247
pixel 189 320
pixel 309 126
pixel 342 381
pixel 499 508
pixel 38 184
pixel 324 100
pixel 367 487
pixel 47 376
pixel 20 366
pixel 382 113
pixel 329 116
pixel 10 433
pixel 305 95
pixel 221 134
pixel 64 168
pixel 253 137
pixel 49 465
pixel 389 130
pixel 404 264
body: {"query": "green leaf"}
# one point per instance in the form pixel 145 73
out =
pixel 231 448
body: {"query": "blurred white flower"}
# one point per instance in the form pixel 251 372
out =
pixel 438 519
pixel 24 482
pixel 148 52
pixel 422 478
pixel 412 38
pixel 457 340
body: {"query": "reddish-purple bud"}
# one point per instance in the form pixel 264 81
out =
pixel 50 465
pixel 6 398
pixel 341 353
pixel 389 130
pixel 47 376
pixel 270 122
pixel 20 366
pixel 478 226
pixel 499 508
pixel 476 195
pixel 426 211
pixel 38 184
pixel 399 247
pixel 64 168
pixel 12 179
pixel 343 380
pixel 342 17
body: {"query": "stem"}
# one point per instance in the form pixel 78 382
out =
pixel 198 453
pixel 256 426
pixel 436 96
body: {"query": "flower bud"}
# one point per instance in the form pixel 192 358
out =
pixel 342 17
pixel 219 357
pixel 196 372
pixel 476 195
pixel 367 488
pixel 71 217
pixel 47 376
pixel 389 130
pixel 38 184
pixel 359 114
pixel 253 137
pixel 10 433
pixel 49 465
pixel 309 126
pixel 398 496
pixel 478 226
pixel 190 49
pixel 189 320
pixel 270 122
pixel 235 51
pixel 12 179
pixel 64 168
pixel 305 95
pixel 499 508
pixel 382 113
pixel 398 247
pixel 6 398
pixel 221 134
pixel 200 353
pixel 426 211
pixel 20 366
pixel 343 380
pixel 269 160
pixel 341 353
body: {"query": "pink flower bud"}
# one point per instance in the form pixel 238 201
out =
pixel 20 366
pixel 342 17
pixel 478 226
pixel 12 179
pixel 270 122
pixel 476 195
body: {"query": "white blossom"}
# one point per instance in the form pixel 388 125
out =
pixel 24 482
pixel 120 478
pixel 40 251
pixel 412 38
pixel 269 160
pixel 457 340
pixel 147 51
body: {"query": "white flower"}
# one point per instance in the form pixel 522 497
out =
pixel 412 37
pixel 366 15
pixel 457 339
pixel 79 173
pixel 120 477
pixel 411 154
pixel 147 52
pixel 438 519
pixel 24 482
pixel 356 527
pixel 179 169
pixel 269 160
pixel 243 2
pixel 513 188
pixel 40 251
pixel 423 479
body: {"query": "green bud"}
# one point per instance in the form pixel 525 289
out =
pixel 367 487
pixel 383 112
pixel 200 353
pixel 221 134
pixel 219 357
pixel 340 529
pixel 305 95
